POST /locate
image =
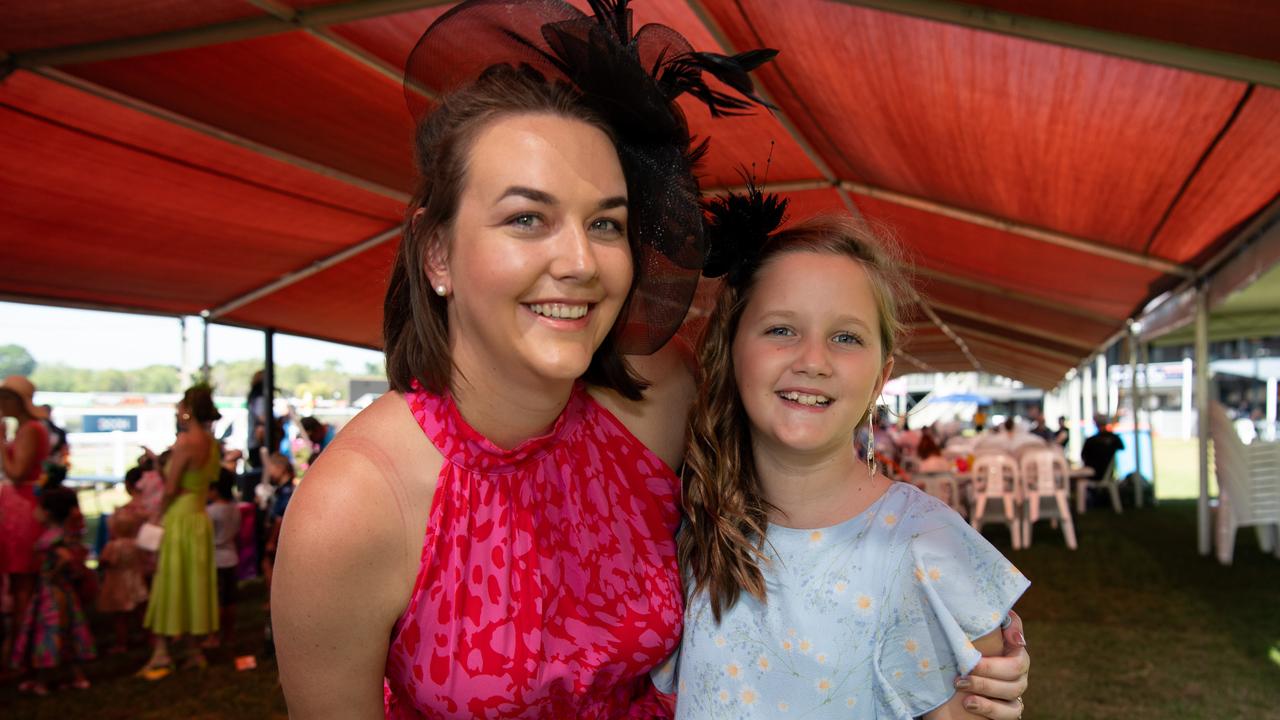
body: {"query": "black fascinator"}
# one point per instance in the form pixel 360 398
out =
pixel 739 225
pixel 632 80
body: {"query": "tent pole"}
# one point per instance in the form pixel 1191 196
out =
pixel 1145 359
pixel 1202 405
pixel 1103 385
pixel 1087 395
pixel 1073 416
pixel 204 349
pixel 269 441
pixel 1270 430
pixel 1134 404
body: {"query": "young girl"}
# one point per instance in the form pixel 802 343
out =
pixel 818 587
pixel 225 516
pixel 124 584
pixel 281 475
pixel 54 631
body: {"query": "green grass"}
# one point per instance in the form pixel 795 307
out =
pixel 1133 625
pixel 1178 469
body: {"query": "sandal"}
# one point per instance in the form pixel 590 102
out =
pixel 77 684
pixel 33 687
pixel 155 669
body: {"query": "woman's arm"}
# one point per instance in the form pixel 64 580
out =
pixel 339 586
pixel 179 459
pixel 17 464
pixel 995 686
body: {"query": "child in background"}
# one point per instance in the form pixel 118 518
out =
pixel 225 516
pixel 817 585
pixel 54 631
pixel 280 473
pixel 124 584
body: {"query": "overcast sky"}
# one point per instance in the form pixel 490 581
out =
pixel 92 339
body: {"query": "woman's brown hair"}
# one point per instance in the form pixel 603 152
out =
pixel 721 545
pixel 415 326
pixel 198 400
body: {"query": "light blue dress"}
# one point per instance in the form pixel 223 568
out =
pixel 871 618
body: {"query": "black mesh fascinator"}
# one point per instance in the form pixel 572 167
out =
pixel 739 225
pixel 632 81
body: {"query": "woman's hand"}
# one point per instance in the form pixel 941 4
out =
pixel 996 685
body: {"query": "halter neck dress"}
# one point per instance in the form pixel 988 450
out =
pixel 548 585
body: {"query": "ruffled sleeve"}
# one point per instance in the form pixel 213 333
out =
pixel 947 587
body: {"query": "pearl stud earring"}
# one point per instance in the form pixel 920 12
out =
pixel 441 290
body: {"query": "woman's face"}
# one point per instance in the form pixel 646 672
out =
pixel 538 264
pixel 807 355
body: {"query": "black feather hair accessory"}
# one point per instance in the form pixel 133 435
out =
pixel 632 80
pixel 738 226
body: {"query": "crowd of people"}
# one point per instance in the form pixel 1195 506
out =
pixel 172 563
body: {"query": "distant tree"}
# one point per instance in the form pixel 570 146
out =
pixel 56 377
pixel 155 379
pixel 15 360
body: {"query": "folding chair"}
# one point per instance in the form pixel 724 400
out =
pixel 1044 477
pixel 995 478
pixel 1108 481
pixel 941 485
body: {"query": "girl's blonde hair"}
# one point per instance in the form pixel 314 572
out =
pixel 721 544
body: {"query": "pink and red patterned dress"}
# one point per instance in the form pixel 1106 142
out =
pixel 548 585
pixel 19 526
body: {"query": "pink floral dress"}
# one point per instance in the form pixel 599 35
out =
pixel 548 585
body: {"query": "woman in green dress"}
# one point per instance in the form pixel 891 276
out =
pixel 184 593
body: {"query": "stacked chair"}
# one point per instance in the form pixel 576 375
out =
pixel 1248 487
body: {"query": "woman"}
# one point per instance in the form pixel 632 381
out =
pixel 184 591
pixel 817 584
pixel 495 537
pixel 23 461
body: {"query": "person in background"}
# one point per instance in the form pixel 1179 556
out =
pixel 319 435
pixel 256 404
pixel 22 459
pixel 282 476
pixel 1038 428
pixel 931 460
pixel 1062 435
pixel 58 462
pixel 184 592
pixel 53 631
pixel 123 565
pixel 225 516
pixel 979 420
pixel 1100 450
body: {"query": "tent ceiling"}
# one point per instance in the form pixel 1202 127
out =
pixel 252 157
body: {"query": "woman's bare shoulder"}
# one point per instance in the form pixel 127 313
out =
pixel 373 484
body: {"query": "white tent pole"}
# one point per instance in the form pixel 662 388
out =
pixel 1146 392
pixel 1073 416
pixel 1188 379
pixel 204 357
pixel 1086 392
pixel 1103 384
pixel 1271 409
pixel 1134 404
pixel 1202 404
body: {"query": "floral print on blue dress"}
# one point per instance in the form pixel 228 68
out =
pixel 871 618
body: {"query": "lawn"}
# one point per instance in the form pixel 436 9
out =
pixel 1133 625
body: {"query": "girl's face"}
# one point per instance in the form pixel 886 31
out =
pixel 538 264
pixel 807 355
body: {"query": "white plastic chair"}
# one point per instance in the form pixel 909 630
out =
pixel 943 486
pixel 1044 477
pixel 1108 482
pixel 1248 487
pixel 995 478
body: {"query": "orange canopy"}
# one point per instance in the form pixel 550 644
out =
pixel 1051 170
